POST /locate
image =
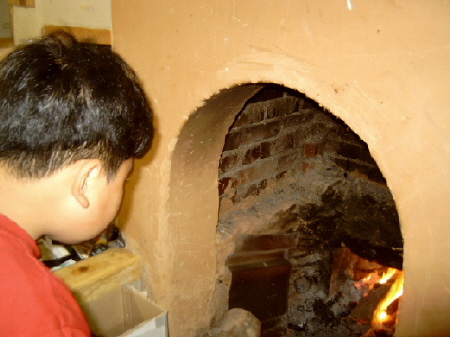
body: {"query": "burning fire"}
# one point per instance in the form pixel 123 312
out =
pixel 381 315
pixel 387 275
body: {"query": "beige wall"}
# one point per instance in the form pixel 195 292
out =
pixel 29 21
pixel 383 67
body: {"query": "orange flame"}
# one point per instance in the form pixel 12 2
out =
pixel 387 275
pixel 380 315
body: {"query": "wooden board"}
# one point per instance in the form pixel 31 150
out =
pixel 6 42
pixel 91 278
pixel 21 3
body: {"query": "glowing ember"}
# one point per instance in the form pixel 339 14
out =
pixel 381 317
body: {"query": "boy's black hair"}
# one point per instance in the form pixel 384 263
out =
pixel 62 101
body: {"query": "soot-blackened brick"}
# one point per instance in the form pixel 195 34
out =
pixel 287 161
pixel 356 167
pixel 307 104
pixel 255 189
pixel 252 114
pixel 265 150
pixel 345 133
pixel 232 141
pixel 306 166
pixel 366 156
pixel 223 184
pixel 251 134
pixel 354 151
pixel 281 175
pixel 282 144
pixel 296 120
pixel 353 166
pixel 267 94
pixel 376 176
pixel 261 132
pixel 318 130
pixel 251 155
pixel 299 138
pixel 342 163
pixel 251 190
pixel 228 162
pixel 302 117
pixel 350 151
pixel 245 176
pixel 282 107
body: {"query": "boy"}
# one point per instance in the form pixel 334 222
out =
pixel 73 116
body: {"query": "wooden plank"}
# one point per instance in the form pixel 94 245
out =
pixel 93 35
pixel 6 42
pixel 91 278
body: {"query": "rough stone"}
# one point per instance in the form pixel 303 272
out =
pixel 237 323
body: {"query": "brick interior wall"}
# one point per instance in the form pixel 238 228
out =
pixel 289 166
pixel 280 132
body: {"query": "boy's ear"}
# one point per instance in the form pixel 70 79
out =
pixel 87 172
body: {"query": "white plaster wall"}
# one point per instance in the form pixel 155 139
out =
pixel 5 22
pixel 26 24
pixel 29 21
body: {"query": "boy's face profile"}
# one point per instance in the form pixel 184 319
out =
pixel 93 203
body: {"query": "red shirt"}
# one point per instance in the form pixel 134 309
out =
pixel 33 301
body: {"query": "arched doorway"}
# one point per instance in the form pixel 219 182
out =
pixel 312 143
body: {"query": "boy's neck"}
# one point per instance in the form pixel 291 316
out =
pixel 28 202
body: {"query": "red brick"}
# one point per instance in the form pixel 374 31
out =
pixel 310 150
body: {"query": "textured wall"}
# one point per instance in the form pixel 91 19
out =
pixel 379 66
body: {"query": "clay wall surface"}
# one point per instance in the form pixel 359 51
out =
pixel 382 67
